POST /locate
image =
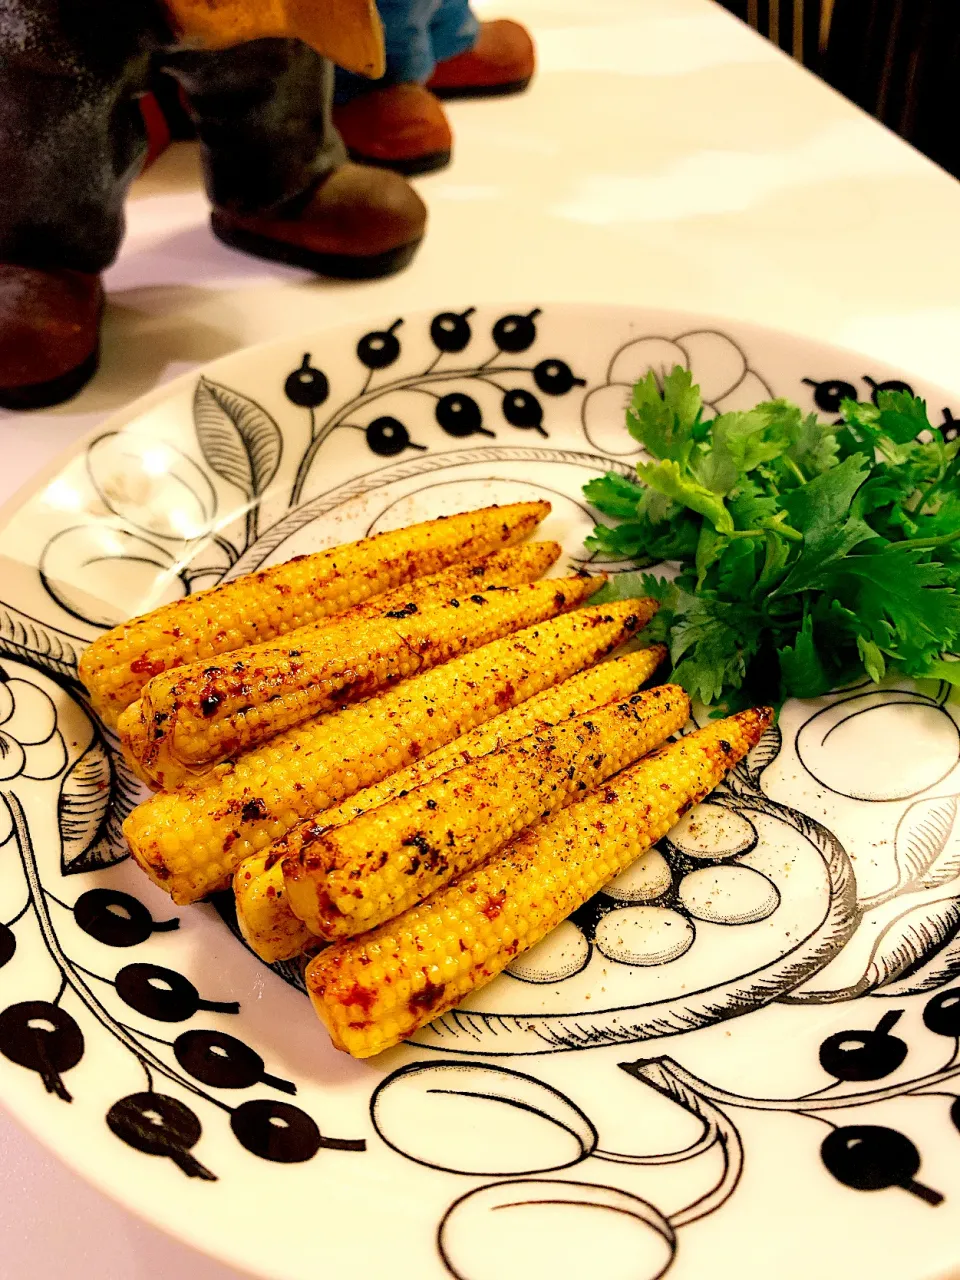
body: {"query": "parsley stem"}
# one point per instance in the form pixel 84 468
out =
pixel 925 543
pixel 772 525
pixel 793 469
pixel 775 525
pixel 932 489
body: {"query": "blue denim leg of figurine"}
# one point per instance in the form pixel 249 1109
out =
pixel 453 29
pixel 409 48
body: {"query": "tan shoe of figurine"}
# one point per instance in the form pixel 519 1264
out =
pixel 501 61
pixel 360 223
pixel 401 126
pixel 49 334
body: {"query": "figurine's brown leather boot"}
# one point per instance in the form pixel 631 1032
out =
pixel 358 224
pixel 501 61
pixel 49 334
pixel 401 126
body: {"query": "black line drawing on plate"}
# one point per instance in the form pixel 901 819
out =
pixel 720 365
pixel 240 441
pixel 55 758
pixel 459 1117
pixel 710 878
pixel 645 1254
pixel 462 1118
pixel 907 934
pixel 457 413
pixel 831 742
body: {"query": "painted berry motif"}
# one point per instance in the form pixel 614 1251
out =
pixel 458 412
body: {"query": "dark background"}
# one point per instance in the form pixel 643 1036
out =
pixel 898 59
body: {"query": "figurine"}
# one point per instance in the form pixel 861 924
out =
pixel 434 49
pixel 72 139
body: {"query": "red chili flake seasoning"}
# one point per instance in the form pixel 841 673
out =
pixel 360 996
pixel 254 810
pixel 428 998
pixel 505 697
pixel 146 666
pixel 494 905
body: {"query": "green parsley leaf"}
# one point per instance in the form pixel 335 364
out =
pixel 821 511
pixel 807 554
pixel 664 422
pixel 614 495
pixel 667 478
pixel 801 667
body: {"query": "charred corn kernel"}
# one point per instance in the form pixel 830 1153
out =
pixel 189 719
pixel 191 842
pixel 263 913
pixel 379 864
pixel 146 726
pixel 381 987
pixel 259 606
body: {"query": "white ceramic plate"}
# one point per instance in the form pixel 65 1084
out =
pixel 767 1093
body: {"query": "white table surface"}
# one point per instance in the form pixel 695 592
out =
pixel 664 156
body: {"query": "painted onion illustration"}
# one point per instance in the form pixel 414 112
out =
pixel 480 1120
pixel 565 1230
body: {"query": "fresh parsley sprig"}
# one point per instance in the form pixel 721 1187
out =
pixel 805 554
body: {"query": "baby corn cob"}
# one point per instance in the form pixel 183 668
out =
pixel 380 988
pixel 263 913
pixel 352 879
pixel 262 605
pixel 191 842
pixel 189 719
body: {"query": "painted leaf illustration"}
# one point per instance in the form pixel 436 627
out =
pixel 22 637
pixel 940 968
pixel 97 794
pixel 765 752
pixel 239 439
pixel 910 940
pixel 928 843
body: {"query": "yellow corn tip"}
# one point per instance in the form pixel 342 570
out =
pixel 376 990
pixel 262 605
pixel 385 861
pixel 192 718
pixel 507 568
pixel 263 912
pixel 191 842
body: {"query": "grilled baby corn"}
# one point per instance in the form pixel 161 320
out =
pixel 190 842
pixel 380 988
pixel 263 913
pixel 262 605
pixel 371 869
pixel 189 719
